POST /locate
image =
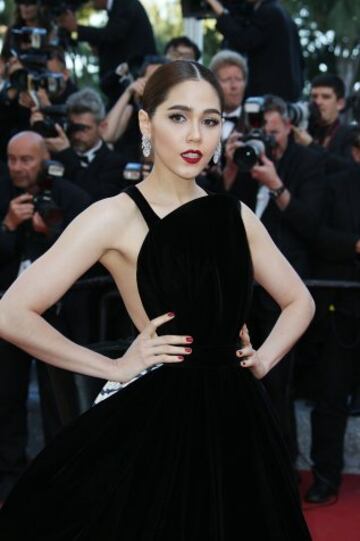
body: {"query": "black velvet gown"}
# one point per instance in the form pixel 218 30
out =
pixel 190 451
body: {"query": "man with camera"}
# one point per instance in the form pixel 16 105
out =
pixel 284 186
pixel 128 33
pixel 335 333
pixel 36 204
pixel 266 34
pixel 88 161
pixel 45 85
pixel 326 132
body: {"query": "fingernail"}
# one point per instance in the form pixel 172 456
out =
pixel 188 350
pixel 239 352
pixel 189 339
pixel 243 363
pixel 171 314
pixel 180 358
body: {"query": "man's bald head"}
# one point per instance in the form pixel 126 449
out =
pixel 32 139
pixel 26 153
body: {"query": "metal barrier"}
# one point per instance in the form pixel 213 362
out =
pixel 102 281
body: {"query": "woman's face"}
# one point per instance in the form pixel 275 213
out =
pixel 28 12
pixel 185 129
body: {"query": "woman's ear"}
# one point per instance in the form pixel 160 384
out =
pixel 144 123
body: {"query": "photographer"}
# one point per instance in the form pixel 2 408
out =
pixel 327 133
pixel 128 33
pixel 38 78
pixel 56 64
pixel 285 189
pixel 121 124
pixel 269 38
pixel 88 161
pixel 232 72
pixel 29 14
pixel 34 210
pixel 335 335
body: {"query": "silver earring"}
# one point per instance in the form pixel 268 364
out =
pixel 146 146
pixel 217 153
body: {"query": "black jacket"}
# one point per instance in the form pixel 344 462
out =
pixel 337 155
pixel 270 40
pixel 25 243
pixel 103 176
pixel 292 229
pixel 335 257
pixel 128 34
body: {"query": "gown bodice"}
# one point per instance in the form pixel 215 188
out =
pixel 196 262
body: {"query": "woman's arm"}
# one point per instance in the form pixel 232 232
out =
pixel 274 273
pixel 83 243
pixel 45 282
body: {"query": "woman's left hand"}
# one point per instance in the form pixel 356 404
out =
pixel 249 356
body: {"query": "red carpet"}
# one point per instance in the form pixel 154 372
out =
pixel 339 521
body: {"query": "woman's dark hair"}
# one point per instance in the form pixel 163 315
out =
pixel 169 75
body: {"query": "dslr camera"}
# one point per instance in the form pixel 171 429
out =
pixel 304 114
pixel 28 46
pixel 43 201
pixel 53 114
pixel 256 141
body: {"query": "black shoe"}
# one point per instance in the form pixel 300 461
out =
pixel 321 492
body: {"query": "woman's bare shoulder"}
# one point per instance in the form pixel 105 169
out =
pixel 119 207
pixel 105 215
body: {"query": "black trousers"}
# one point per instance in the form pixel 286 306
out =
pixel 337 341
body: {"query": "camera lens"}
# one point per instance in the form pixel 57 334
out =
pixel 247 156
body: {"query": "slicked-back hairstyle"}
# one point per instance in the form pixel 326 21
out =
pixel 170 75
pixel 86 101
pixel 332 81
pixel 229 58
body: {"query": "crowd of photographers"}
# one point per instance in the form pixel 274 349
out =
pixel 295 163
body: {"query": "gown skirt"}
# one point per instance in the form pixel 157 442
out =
pixel 189 451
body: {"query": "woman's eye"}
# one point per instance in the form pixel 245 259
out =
pixel 177 117
pixel 211 122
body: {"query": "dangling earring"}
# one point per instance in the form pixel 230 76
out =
pixel 217 153
pixel 146 146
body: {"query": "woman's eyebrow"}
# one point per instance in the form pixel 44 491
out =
pixel 189 109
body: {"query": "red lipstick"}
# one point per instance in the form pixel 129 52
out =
pixel 191 156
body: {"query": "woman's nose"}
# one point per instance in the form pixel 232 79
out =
pixel 195 132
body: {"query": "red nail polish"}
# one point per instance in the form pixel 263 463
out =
pixel 171 314
pixel 189 339
pixel 240 352
pixel 180 358
pixel 188 350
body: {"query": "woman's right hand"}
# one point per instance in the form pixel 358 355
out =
pixel 149 349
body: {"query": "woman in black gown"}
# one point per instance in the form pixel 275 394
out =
pixel 191 450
